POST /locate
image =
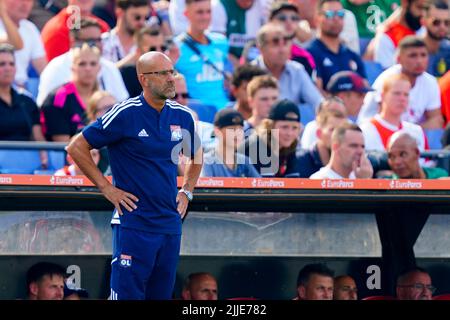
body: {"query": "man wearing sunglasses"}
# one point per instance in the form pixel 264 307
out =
pixel 330 53
pixel 437 25
pixel 415 284
pixel 120 41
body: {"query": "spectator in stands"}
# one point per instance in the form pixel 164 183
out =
pixel 120 41
pixel 203 56
pixel 272 145
pixel 347 160
pixel 437 23
pixel 58 70
pixel 242 75
pixel 72 169
pixel 403 158
pixel 394 103
pixel 330 54
pixel 224 160
pixel 238 31
pixel 311 160
pixel 200 286
pixel 415 284
pixel 44 10
pixel 9 32
pixel 294 82
pixel 32 51
pixel 99 103
pixel 444 87
pixel 287 15
pixel 424 109
pixel 407 24
pixel 73 293
pixel 45 281
pixel 55 33
pixel 351 88
pixel 315 282
pixel 345 288
pixel 64 110
pixel 262 94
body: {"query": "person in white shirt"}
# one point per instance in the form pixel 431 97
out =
pixel 120 42
pixel 348 160
pixel 33 49
pixel 58 70
pixel 425 102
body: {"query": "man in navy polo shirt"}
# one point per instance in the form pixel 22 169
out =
pixel 144 136
pixel 329 53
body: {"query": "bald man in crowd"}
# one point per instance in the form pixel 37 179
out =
pixel 200 286
pixel 345 288
pixel 144 136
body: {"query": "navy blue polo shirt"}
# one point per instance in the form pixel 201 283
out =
pixel 328 62
pixel 141 144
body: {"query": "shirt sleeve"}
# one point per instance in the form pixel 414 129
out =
pixel 384 51
pixel 191 139
pixel 107 129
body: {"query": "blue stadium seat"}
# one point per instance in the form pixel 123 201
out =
pixel 373 70
pixel 205 113
pixel 29 162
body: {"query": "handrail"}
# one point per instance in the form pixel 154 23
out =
pixel 32 145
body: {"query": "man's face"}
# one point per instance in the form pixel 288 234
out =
pixel 48 288
pixel 245 4
pixel 152 43
pixel 418 287
pixel 351 149
pixel 414 61
pixel 85 68
pixel 318 288
pixel 91 35
pixel 345 289
pixel 403 159
pixel 396 98
pixel 288 132
pixel 162 83
pixel 289 19
pixel 135 17
pixel 262 101
pixel 437 23
pixel 415 11
pixel 331 19
pixel 353 101
pixel 7 69
pixel 199 14
pixel 324 134
pixel 204 289
pixel 276 48
pixel 18 9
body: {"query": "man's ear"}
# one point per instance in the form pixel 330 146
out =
pixel 33 288
pixel 301 291
pixel 186 295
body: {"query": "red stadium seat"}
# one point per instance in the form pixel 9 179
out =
pixel 379 298
pixel 442 297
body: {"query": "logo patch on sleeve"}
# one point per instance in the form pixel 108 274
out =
pixel 125 260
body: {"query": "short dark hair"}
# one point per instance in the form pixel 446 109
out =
pixel 438 4
pixel 84 23
pixel 125 4
pixel 246 72
pixel 411 42
pixel 194 277
pixel 315 268
pixel 339 132
pixel 42 269
pixel 404 275
pixel 7 48
pixel 193 1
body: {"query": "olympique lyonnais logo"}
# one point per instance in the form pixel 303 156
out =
pixel 176 134
pixel 125 260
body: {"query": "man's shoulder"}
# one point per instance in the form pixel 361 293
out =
pixel 175 107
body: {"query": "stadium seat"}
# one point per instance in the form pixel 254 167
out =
pixel 205 113
pixel 379 298
pixel 373 70
pixel 445 296
pixel 29 162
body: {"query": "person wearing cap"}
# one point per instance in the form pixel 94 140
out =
pixel 351 88
pixel 223 160
pixel 271 147
pixel 73 293
pixel 394 103
pixel 348 160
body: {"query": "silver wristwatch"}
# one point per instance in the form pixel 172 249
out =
pixel 187 193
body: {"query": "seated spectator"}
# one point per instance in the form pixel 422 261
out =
pixel 272 145
pixel 403 158
pixel 345 288
pixel 311 160
pixel 415 284
pixel 55 33
pixel 347 160
pixel 315 282
pixel 309 135
pixel 45 281
pixel 223 160
pixel 99 103
pixel 72 169
pixel 58 71
pixel 64 110
pixel 73 293
pixel 242 75
pixel 262 94
pixel 444 87
pixel 200 286
pixel 394 103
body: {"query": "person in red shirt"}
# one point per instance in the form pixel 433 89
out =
pixel 55 34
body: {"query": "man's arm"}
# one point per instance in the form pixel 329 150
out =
pixel 434 119
pixel 191 174
pixel 79 150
